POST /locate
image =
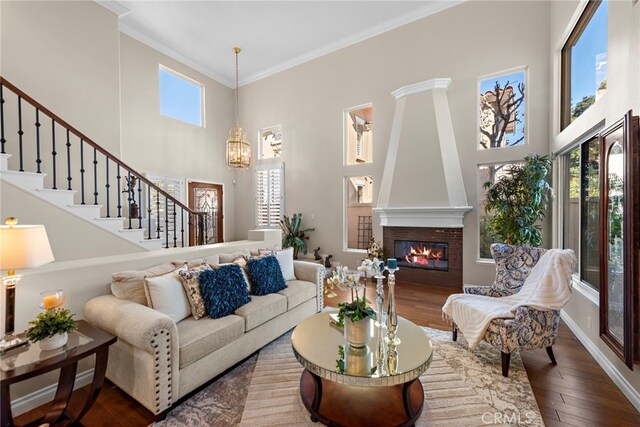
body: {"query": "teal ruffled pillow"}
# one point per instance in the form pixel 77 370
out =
pixel 223 290
pixel 265 275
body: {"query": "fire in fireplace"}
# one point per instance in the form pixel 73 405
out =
pixel 425 255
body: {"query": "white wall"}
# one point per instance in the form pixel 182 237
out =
pixel 309 100
pixel 623 93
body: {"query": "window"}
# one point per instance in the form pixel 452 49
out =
pixel 502 110
pixel 581 209
pixel 176 188
pixel 270 143
pixel 359 212
pixel 180 97
pixel 269 189
pixel 488 173
pixel 359 135
pixel 584 62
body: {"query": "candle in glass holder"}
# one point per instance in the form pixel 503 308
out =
pixel 52 299
pixel 392 263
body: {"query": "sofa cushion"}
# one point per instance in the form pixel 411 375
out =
pixel 129 285
pixel 165 294
pixel 297 292
pixel 225 258
pixel 223 290
pixel 265 275
pixel 262 309
pixel 191 283
pixel 197 338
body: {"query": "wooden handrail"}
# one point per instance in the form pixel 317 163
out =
pixel 93 144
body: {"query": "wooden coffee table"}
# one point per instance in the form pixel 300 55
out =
pixel 375 385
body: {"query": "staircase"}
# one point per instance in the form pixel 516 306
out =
pixel 37 147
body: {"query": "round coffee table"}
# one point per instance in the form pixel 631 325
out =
pixel 375 385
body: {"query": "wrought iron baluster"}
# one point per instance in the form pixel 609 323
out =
pixel 148 212
pixel 129 198
pixel 118 178
pixel 53 152
pixel 139 203
pixel 2 140
pixel 37 124
pixel 68 162
pixel 95 176
pixel 82 169
pixel 20 132
pixel 157 214
pixel 166 222
pixel 182 226
pixel 190 227
pixel 107 185
pixel 175 237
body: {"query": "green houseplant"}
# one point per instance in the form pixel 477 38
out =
pixel 51 328
pixel 292 235
pixel 519 200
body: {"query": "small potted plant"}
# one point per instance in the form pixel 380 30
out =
pixel 357 316
pixel 51 328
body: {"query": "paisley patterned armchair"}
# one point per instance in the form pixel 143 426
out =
pixel 531 328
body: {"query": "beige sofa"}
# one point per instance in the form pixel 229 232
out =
pixel 158 361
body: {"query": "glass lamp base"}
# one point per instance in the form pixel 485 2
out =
pixel 11 341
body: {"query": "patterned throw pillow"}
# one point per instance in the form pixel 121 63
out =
pixel 265 275
pixel 191 284
pixel 223 290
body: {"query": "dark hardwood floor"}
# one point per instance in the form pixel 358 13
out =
pixel 576 392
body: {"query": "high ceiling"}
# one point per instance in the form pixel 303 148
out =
pixel 273 35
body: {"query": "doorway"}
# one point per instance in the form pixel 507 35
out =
pixel 207 198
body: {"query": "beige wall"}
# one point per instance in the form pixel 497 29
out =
pixel 309 100
pixel 623 93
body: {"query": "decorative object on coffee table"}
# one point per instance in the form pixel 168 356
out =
pixel 23 246
pixel 374 268
pixel 392 316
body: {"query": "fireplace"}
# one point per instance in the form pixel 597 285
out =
pixel 426 255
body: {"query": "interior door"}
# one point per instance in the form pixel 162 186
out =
pixel 207 198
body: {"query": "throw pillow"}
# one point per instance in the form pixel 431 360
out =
pixel 191 284
pixel 165 294
pixel 129 285
pixel 223 290
pixel 285 259
pixel 265 275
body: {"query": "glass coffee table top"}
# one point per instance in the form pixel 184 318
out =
pixel 323 351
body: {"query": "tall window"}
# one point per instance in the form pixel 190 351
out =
pixel 581 209
pixel 359 135
pixel 584 62
pixel 270 142
pixel 359 212
pixel 180 97
pixel 269 187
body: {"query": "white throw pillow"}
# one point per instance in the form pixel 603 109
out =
pixel 285 259
pixel 166 294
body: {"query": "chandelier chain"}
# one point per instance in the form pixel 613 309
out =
pixel 237 51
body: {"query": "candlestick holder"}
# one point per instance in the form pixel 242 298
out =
pixel 392 316
pixel 380 322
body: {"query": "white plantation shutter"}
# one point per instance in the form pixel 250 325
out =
pixel 176 188
pixel 269 185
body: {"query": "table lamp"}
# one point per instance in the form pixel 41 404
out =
pixel 21 246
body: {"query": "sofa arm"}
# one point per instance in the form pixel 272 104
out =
pixel 134 323
pixel 477 290
pixel 314 273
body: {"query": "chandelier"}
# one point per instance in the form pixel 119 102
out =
pixel 238 149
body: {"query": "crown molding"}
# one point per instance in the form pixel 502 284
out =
pixel 439 83
pixel 114 6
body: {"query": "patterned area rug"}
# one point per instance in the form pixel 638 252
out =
pixel 462 388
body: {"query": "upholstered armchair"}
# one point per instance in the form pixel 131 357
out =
pixel 531 328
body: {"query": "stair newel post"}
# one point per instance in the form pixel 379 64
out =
pixel 118 178
pixel 175 236
pixel 20 132
pixel 2 140
pixel 157 214
pixel 95 176
pixel 82 170
pixel 149 212
pixel 182 226
pixel 139 203
pixel 107 186
pixel 166 222
pixel 38 159
pixel 69 178
pixel 54 153
pixel 129 198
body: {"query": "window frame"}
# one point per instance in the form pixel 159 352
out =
pixel 273 128
pixel 267 165
pixel 345 134
pixel 345 211
pixel 565 60
pixel 196 83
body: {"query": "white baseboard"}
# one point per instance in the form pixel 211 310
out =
pixel 44 395
pixel 627 389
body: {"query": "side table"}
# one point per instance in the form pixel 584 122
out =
pixel 27 362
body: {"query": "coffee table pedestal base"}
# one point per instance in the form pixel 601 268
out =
pixel 343 405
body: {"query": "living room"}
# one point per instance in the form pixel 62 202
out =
pixel 408 73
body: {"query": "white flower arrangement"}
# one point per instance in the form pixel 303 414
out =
pixel 344 279
pixel 372 267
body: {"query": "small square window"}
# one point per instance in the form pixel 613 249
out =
pixel 180 97
pixel 270 142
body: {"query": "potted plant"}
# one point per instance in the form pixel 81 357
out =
pixel 355 317
pixel 519 200
pixel 51 328
pixel 292 236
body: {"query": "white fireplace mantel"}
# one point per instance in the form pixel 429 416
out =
pixel 445 216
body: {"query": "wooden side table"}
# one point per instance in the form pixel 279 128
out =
pixel 27 362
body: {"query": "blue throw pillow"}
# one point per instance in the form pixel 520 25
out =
pixel 223 290
pixel 265 275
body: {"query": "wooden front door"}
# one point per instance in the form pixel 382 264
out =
pixel 207 198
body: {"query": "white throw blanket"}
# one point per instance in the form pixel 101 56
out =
pixel 547 287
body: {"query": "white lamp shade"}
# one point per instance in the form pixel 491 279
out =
pixel 24 246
